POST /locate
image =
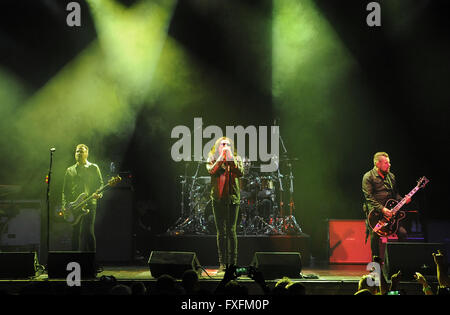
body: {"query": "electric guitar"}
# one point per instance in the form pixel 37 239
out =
pixel 76 209
pixel 384 226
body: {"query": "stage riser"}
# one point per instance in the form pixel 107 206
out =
pixel 206 247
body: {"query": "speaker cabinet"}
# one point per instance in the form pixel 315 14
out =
pixel 276 265
pixel 410 258
pixel 438 231
pixel 18 265
pixel 172 263
pixel 346 241
pixel 114 226
pixel 21 225
pixel 58 261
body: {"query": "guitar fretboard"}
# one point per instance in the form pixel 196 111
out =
pixel 403 201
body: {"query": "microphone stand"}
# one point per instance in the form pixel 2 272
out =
pixel 280 182
pixel 281 201
pixel 173 229
pixel 183 184
pixel 49 177
pixel 281 189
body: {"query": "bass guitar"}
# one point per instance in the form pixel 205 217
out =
pixel 385 226
pixel 75 210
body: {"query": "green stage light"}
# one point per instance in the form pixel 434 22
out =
pixel 131 40
pixel 96 94
pixel 13 93
pixel 310 65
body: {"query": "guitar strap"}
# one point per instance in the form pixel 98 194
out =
pixel 366 210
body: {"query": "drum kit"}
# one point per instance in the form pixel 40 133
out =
pixel 262 205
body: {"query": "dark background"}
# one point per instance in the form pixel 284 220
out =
pixel 402 108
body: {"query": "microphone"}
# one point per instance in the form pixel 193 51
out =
pixel 227 155
pixel 52 150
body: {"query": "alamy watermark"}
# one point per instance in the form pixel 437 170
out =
pixel 74 276
pixel 374 17
pixel 256 149
pixel 375 274
pixel 74 17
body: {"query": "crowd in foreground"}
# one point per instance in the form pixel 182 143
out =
pixel 230 286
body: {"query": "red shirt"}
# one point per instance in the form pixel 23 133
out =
pixel 225 179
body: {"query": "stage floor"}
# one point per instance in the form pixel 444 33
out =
pixel 324 272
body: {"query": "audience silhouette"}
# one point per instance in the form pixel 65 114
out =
pixel 366 284
pixel 231 284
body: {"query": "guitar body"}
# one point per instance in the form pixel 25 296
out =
pixel 382 225
pixel 75 210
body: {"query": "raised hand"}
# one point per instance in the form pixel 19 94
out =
pixel 420 278
pixel 439 258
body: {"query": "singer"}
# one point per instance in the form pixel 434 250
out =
pixel 225 168
pixel 81 177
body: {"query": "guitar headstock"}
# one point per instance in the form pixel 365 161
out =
pixel 422 182
pixel 114 180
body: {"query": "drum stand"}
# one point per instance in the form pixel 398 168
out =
pixel 195 222
pixel 269 229
pixel 289 224
pixel 247 222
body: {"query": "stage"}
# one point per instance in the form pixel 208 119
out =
pixel 288 255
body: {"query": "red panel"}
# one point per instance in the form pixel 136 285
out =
pixel 347 242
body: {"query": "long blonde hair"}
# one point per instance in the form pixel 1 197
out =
pixel 214 152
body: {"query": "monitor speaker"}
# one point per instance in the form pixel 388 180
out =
pixel 115 213
pixel 276 265
pixel 15 265
pixel 58 264
pixel 410 258
pixel 172 263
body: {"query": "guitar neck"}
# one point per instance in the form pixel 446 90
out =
pixel 98 191
pixel 403 201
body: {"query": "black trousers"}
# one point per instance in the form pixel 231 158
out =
pixel 225 217
pixel 86 236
